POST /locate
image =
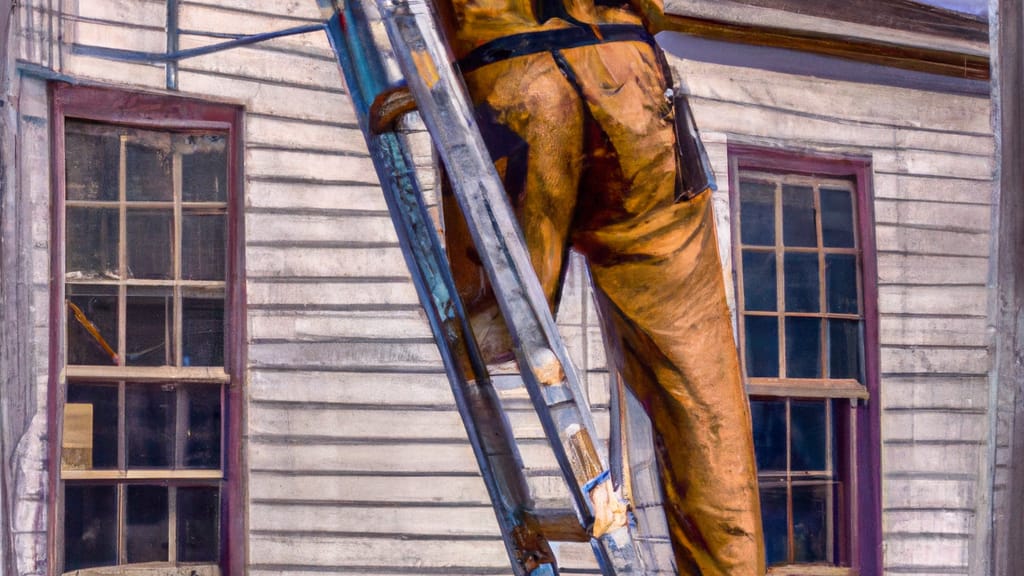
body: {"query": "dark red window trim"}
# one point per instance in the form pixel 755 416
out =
pixel 147 110
pixel 866 554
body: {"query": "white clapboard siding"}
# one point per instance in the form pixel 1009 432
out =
pixel 952 394
pixel 952 190
pixel 218 18
pixel 900 237
pixel 331 294
pixel 272 227
pixel 267 98
pixel 929 330
pixel 357 462
pixel 932 162
pixel 339 551
pixel 263 65
pixel 273 132
pixel 352 388
pixel 937 426
pixel 272 193
pixel 150 13
pixel 843 102
pixel 114 34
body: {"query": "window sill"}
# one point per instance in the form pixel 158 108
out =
pixel 807 388
pixel 157 474
pixel 149 569
pixel 811 570
pixel 149 374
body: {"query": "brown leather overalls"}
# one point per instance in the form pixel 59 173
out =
pixel 570 97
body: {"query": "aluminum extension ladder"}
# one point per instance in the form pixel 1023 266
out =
pixel 380 48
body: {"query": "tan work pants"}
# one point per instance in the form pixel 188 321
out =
pixel 584 141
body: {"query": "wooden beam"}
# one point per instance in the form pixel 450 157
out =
pixel 919 59
pixel 1008 507
pixel 902 15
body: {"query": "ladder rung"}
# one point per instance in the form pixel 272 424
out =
pixel 558 525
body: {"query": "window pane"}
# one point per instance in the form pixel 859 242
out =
pixel 774 522
pixel 759 291
pixel 798 216
pixel 844 349
pixel 204 168
pixel 90 526
pixel 841 283
pixel 204 239
pixel 202 426
pixel 92 237
pixel 198 524
pixel 802 293
pixel 149 167
pixel 92 155
pixel 149 420
pixel 757 213
pixel 803 347
pixel 809 435
pixel 836 218
pixel 146 535
pixel 202 325
pixel 92 325
pixel 810 522
pixel 762 346
pixel 149 327
pixel 149 242
pixel 769 420
pixel 99 449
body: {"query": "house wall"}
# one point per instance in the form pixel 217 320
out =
pixel 355 458
pixel 932 165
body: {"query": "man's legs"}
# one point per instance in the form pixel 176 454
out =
pixel 657 267
pixel 532 121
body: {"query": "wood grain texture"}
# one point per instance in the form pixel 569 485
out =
pixel 1008 502
pixel 898 14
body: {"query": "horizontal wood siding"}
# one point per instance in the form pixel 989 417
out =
pixel 932 157
pixel 356 459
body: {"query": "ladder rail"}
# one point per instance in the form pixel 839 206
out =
pixel 477 400
pixel 548 373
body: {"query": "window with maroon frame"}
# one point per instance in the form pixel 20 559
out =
pixel 804 267
pixel 145 310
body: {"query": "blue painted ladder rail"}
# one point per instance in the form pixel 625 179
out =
pixel 414 54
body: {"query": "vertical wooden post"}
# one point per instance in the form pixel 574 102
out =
pixel 1007 541
pixel 6 154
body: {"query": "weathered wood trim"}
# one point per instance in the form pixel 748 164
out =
pixel 160 111
pixel 213 374
pixel 904 15
pixel 141 475
pixel 737 12
pixel 5 27
pixel 865 501
pixel 1007 503
pixel 915 58
pixel 11 425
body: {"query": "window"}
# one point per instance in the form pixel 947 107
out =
pixel 147 309
pixel 805 285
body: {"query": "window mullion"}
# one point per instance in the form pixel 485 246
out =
pixel 780 281
pixel 822 300
pixel 176 252
pixel 122 251
pixel 830 492
pixel 122 520
pixel 790 536
pixel 172 524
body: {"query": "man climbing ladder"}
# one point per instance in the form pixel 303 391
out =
pixel 570 98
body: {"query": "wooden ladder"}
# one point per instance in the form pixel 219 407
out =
pixel 413 57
